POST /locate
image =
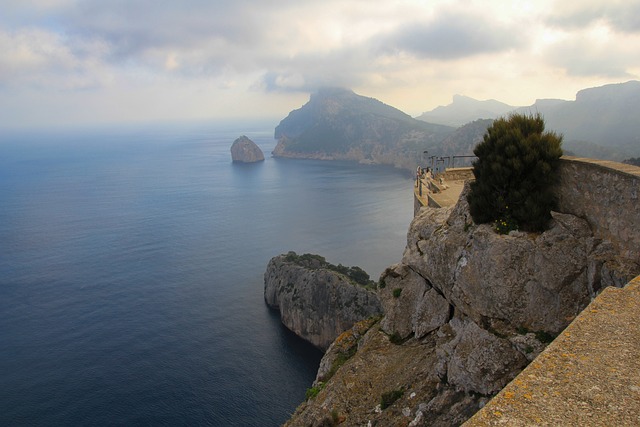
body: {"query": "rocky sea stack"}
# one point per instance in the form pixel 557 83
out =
pixel 244 150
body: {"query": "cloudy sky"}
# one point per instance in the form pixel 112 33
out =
pixel 101 61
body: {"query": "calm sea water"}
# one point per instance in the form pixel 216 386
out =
pixel 131 272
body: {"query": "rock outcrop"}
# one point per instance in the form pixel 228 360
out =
pixel 465 311
pixel 245 150
pixel 317 302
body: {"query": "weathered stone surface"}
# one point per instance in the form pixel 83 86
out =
pixel 316 303
pixel 521 280
pixel 588 376
pixel 413 306
pixel 379 367
pixel 607 195
pixel 246 151
pixel 480 361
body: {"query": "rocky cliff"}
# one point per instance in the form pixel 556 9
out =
pixel 317 300
pixel 465 311
pixel 246 151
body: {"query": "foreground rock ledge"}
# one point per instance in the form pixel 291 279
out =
pixel 465 311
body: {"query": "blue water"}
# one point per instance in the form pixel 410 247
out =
pixel 131 272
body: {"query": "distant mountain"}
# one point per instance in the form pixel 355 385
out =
pixel 601 122
pixel 462 142
pixel 337 124
pixel 464 110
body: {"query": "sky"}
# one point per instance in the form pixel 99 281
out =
pixel 84 62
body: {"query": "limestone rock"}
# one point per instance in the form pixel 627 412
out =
pixel 536 281
pixel 246 151
pixel 480 361
pixel 315 302
pixel 413 306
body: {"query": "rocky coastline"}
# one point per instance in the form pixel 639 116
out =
pixel 464 312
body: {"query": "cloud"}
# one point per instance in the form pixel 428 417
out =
pixel 408 53
pixel 38 58
pixel 583 57
pixel 452 35
pixel 620 15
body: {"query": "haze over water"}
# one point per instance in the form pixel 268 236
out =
pixel 131 272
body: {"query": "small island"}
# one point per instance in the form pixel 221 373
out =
pixel 244 150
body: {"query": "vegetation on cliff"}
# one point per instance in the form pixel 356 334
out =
pixel 515 172
pixel 313 261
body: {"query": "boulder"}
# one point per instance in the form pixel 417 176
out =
pixel 245 150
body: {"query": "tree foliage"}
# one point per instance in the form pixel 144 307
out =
pixel 515 172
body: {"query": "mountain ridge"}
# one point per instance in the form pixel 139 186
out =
pixel 600 122
pixel 338 124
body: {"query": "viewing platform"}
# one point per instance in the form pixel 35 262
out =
pixel 441 190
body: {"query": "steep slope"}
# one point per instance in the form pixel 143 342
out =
pixel 337 124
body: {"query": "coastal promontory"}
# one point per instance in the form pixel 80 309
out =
pixel 318 300
pixel 244 150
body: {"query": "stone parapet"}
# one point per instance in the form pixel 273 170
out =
pixel 589 375
pixel 606 194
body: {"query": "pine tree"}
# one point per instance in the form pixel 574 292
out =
pixel 515 172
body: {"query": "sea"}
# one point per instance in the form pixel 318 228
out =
pixel 131 271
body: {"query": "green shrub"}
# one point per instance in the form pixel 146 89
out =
pixel 355 274
pixel 397 292
pixel 313 391
pixel 515 172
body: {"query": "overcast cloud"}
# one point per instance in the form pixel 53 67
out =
pixel 92 61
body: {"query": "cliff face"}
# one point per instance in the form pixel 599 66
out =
pixel 315 302
pixel 246 151
pixel 465 312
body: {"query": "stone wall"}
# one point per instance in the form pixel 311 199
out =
pixel 606 194
pixel 455 174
